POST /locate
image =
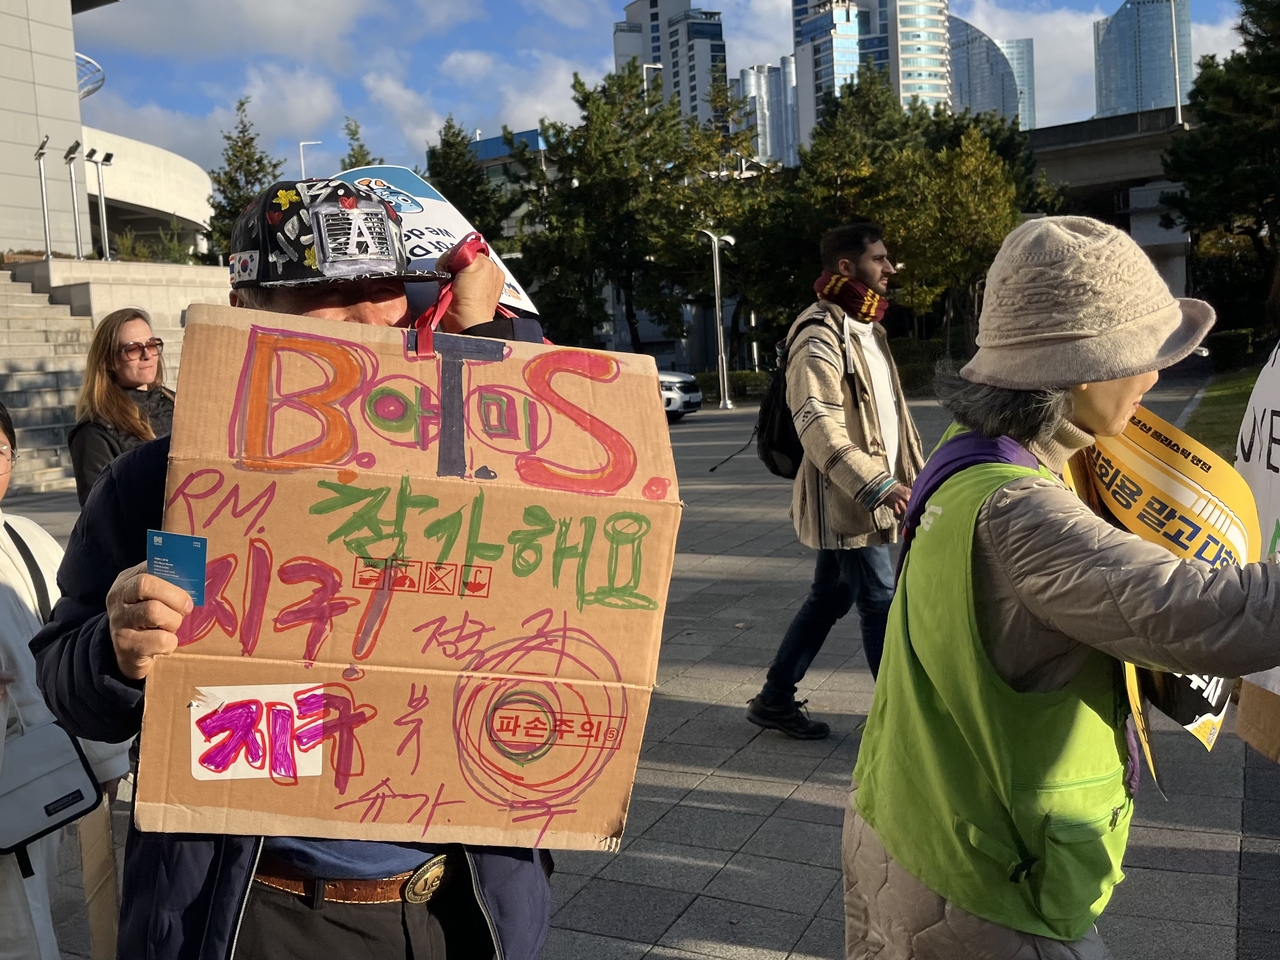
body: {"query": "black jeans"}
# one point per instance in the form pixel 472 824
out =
pixel 841 579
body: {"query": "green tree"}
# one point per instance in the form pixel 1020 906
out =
pixel 358 154
pixel 603 194
pixel 246 171
pixel 721 187
pixel 1009 142
pixel 458 175
pixel 946 214
pixel 1230 164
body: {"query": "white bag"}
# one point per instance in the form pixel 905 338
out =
pixel 45 783
pixel 45 780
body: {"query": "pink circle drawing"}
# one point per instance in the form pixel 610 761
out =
pixel 529 737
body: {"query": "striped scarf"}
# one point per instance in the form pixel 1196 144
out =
pixel 854 297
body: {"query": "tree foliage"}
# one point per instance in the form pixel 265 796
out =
pixel 1230 164
pixel 357 154
pixel 458 175
pixel 600 206
pixel 618 201
pixel 246 171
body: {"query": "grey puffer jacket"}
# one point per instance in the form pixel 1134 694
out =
pixel 1053 581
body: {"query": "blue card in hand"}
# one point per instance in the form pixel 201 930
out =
pixel 178 558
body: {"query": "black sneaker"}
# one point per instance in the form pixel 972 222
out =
pixel 789 717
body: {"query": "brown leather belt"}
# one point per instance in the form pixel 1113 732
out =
pixel 415 887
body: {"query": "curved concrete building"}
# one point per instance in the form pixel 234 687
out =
pixel 149 189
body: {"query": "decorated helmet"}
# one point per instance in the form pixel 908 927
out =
pixel 299 232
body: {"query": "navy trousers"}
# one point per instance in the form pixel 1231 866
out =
pixel 841 580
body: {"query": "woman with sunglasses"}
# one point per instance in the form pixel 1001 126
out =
pixel 123 400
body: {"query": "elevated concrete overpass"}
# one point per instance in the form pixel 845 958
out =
pixel 1113 170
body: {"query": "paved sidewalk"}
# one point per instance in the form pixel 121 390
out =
pixel 732 844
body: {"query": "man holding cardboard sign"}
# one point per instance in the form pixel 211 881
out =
pixel 408 642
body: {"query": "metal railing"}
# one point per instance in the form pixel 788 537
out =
pixel 89 75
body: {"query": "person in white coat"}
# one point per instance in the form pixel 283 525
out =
pixel 26 923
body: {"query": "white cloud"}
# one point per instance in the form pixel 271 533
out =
pixel 197 138
pixel 542 90
pixel 410 112
pixel 198 30
pixel 442 14
pixel 755 31
pixel 1219 38
pixel 575 14
pixel 285 106
pixel 290 103
pixel 464 66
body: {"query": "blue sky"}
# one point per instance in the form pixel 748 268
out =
pixel 176 67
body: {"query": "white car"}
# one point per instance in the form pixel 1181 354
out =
pixel 680 394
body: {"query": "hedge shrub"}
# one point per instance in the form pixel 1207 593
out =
pixel 743 385
pixel 1230 349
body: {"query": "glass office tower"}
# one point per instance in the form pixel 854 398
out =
pixel 1133 56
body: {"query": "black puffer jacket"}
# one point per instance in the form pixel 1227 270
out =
pixel 95 444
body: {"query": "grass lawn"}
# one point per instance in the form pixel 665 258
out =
pixel 1216 422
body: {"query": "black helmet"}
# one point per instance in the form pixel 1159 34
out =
pixel 299 232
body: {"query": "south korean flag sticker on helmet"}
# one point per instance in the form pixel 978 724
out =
pixel 244 266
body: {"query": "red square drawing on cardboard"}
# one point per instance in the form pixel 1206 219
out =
pixel 475 581
pixel 407 574
pixel 442 578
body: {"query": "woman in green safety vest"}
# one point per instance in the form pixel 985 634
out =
pixel 994 784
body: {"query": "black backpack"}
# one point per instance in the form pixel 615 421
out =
pixel 777 444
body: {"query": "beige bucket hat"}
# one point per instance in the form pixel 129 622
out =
pixel 1073 300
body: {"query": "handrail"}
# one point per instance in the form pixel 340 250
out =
pixel 89 75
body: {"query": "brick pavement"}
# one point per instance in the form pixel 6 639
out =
pixel 732 843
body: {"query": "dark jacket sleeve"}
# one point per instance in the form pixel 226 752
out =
pixel 75 660
pixel 92 450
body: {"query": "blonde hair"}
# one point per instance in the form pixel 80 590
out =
pixel 101 398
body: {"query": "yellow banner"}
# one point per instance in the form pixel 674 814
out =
pixel 1168 488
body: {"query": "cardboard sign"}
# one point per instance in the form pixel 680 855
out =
pixel 432 225
pixel 1258 460
pixel 434 591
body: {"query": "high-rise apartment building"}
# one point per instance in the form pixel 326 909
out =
pixel 1133 56
pixel 909 39
pixel 772 111
pixel 686 42
pixel 1021 55
pixel 826 57
pixel 982 79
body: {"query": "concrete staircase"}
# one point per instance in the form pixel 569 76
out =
pixel 42 357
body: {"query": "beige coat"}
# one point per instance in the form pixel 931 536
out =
pixel 835 498
pixel 1053 581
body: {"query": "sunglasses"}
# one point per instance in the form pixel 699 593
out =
pixel 7 458
pixel 133 350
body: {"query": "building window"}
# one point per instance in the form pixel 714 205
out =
pixel 653 28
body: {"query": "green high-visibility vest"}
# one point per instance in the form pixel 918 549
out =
pixel 1010 805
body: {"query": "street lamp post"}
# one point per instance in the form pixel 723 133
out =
pixel 302 157
pixel 44 198
pixel 70 159
pixel 102 197
pixel 722 361
pixel 644 76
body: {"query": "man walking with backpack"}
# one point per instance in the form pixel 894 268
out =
pixel 861 455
